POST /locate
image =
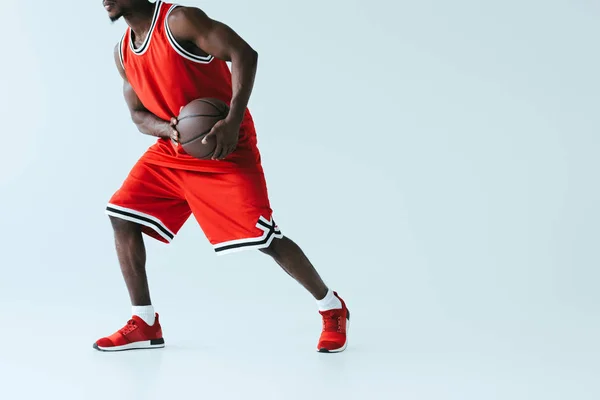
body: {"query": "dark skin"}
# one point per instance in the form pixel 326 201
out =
pixel 201 35
pixel 198 33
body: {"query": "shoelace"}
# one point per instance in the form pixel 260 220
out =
pixel 332 323
pixel 129 327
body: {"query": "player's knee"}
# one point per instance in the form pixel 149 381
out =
pixel 274 250
pixel 122 226
pixel 268 251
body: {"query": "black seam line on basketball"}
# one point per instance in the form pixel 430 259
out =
pixel 200 115
pixel 200 136
pixel 208 102
pixel 138 217
pixel 147 40
pixel 208 58
pixel 247 244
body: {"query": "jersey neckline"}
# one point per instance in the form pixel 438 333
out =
pixel 142 49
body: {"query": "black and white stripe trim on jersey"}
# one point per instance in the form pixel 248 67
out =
pixel 178 48
pixel 270 232
pixel 121 51
pixel 140 218
pixel 146 43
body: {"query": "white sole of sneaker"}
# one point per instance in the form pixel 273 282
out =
pixel 146 344
pixel 341 348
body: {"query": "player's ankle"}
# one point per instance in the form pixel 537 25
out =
pixel 329 302
pixel 146 313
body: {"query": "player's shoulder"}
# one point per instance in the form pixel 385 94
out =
pixel 186 15
pixel 181 12
pixel 117 51
pixel 119 59
pixel 187 22
pixel 119 45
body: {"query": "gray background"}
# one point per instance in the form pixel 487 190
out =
pixel 437 160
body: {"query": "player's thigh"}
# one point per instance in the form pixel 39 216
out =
pixel 152 197
pixel 233 209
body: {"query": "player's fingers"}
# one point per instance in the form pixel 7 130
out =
pixel 216 153
pixel 230 150
pixel 208 135
pixel 225 152
pixel 174 121
pixel 218 150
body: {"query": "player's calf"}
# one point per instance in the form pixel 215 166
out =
pixel 131 253
pixel 292 260
pixel 333 310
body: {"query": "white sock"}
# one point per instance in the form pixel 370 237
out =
pixel 329 302
pixel 144 312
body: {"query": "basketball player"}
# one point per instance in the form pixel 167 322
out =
pixel 169 56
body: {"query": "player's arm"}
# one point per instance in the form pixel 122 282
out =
pixel 219 40
pixel 145 121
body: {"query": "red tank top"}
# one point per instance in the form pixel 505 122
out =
pixel 166 77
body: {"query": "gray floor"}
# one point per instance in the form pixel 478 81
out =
pixel 230 340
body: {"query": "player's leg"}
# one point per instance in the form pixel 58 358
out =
pixel 236 216
pixel 290 257
pixel 150 201
pixel 336 317
pixel 131 253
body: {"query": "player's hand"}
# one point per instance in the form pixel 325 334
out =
pixel 174 134
pixel 226 133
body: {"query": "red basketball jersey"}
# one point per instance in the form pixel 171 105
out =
pixel 166 77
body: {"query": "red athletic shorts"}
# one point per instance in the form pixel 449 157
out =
pixel 231 207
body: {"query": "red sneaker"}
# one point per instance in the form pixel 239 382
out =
pixel 335 328
pixel 135 335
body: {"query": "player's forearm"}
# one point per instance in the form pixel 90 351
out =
pixel 243 73
pixel 150 124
